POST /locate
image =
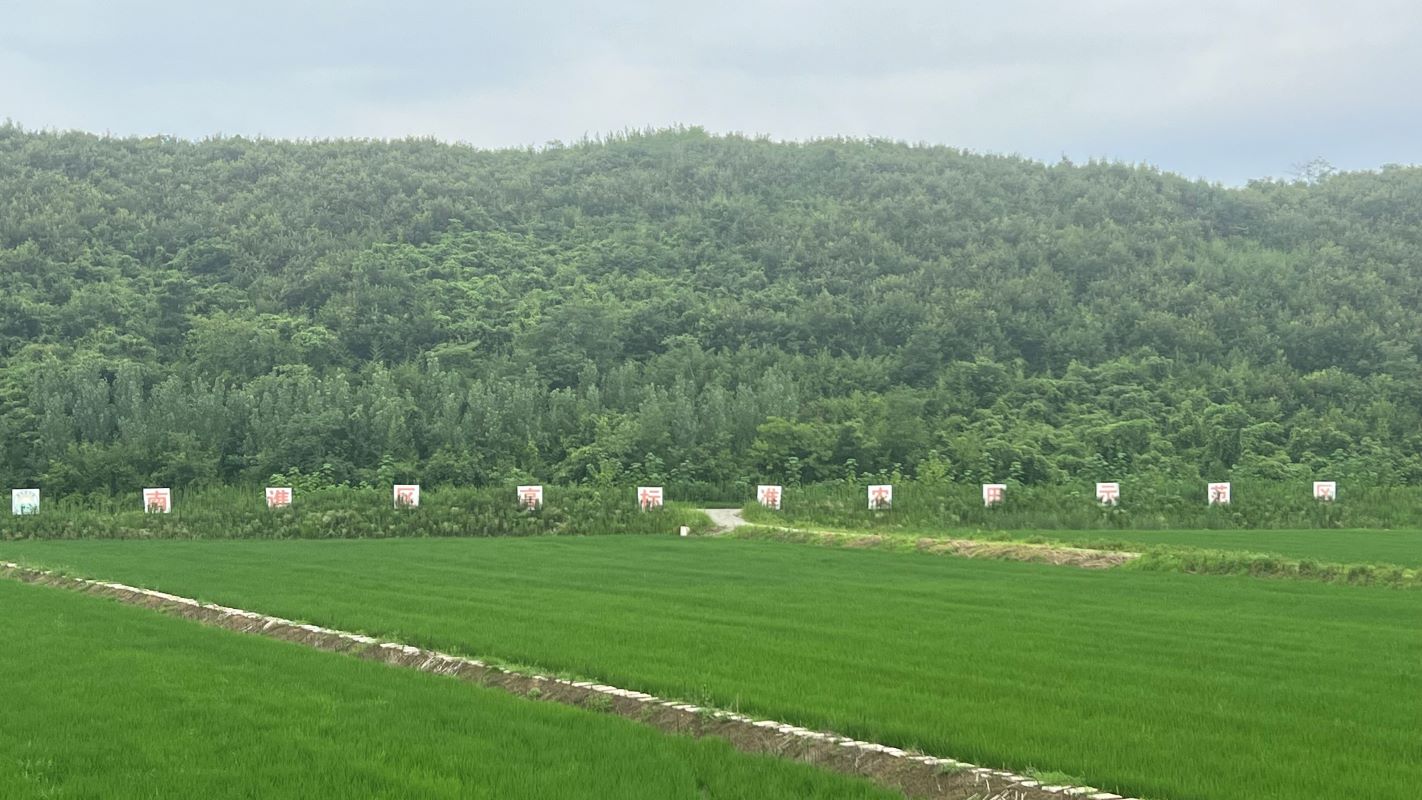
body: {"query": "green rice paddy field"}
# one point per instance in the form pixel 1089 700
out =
pixel 1151 684
pixel 101 700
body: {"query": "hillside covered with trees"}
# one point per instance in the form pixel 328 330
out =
pixel 696 310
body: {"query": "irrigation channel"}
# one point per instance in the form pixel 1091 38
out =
pixel 916 775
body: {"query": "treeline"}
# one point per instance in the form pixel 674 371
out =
pixel 695 311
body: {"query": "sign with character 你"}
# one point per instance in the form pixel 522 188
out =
pixel 994 493
pixel 530 498
pixel 24 501
pixel 1108 494
pixel 407 495
pixel 157 501
pixel 1219 494
pixel 769 496
pixel 279 496
pixel 1326 491
pixel 881 497
pixel 649 497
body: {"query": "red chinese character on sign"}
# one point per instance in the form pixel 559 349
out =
pixel 155 500
pixel 649 498
pixel 880 496
pixel 993 494
pixel 1108 493
pixel 772 497
pixel 407 495
pixel 1219 493
pixel 532 497
pixel 279 498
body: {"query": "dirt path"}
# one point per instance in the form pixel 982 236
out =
pixel 1059 555
pixel 914 774
pixel 725 519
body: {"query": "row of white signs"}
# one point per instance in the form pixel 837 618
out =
pixel 881 496
pixel 1109 494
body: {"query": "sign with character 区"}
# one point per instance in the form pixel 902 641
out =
pixel 1326 491
pixel 24 501
pixel 649 497
pixel 881 497
pixel 278 496
pixel 530 498
pixel 407 495
pixel 157 501
pixel 769 496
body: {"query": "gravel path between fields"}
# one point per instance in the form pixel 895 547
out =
pixel 914 774
pixel 725 519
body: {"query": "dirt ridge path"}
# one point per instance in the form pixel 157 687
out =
pixel 725 520
pixel 914 774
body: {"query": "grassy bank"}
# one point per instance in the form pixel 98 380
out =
pixel 1158 685
pixel 343 512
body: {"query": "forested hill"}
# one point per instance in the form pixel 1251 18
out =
pixel 678 307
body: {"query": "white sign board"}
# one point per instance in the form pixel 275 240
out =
pixel 769 496
pixel 1219 494
pixel 994 493
pixel 407 495
pixel 649 497
pixel 530 497
pixel 24 501
pixel 1325 490
pixel 1108 494
pixel 881 497
pixel 279 496
pixel 157 501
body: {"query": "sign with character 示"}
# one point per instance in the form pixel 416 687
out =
pixel 530 498
pixel 1108 494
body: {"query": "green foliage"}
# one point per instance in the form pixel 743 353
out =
pixel 1144 684
pixel 356 513
pixel 702 312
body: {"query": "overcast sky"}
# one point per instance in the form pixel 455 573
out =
pixel 1221 89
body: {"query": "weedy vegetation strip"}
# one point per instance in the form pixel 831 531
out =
pixel 348 513
pixel 1156 685
pixel 104 700
pixel 1146 504
pixel 918 775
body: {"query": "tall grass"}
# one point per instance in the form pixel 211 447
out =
pixel 345 512
pixel 1145 505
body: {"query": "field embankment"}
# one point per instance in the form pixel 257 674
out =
pixel 1153 685
pixel 103 700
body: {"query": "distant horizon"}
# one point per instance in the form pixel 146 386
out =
pixel 1226 91
pixel 1295 173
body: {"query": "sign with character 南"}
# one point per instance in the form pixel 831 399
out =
pixel 530 498
pixel 157 501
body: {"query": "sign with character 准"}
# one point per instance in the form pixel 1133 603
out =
pixel 994 493
pixel 1326 491
pixel 1219 494
pixel 649 497
pixel 881 497
pixel 769 496
pixel 279 496
pixel 407 495
pixel 530 498
pixel 24 501
pixel 1108 494
pixel 157 501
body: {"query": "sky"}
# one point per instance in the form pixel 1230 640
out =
pixel 1224 90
